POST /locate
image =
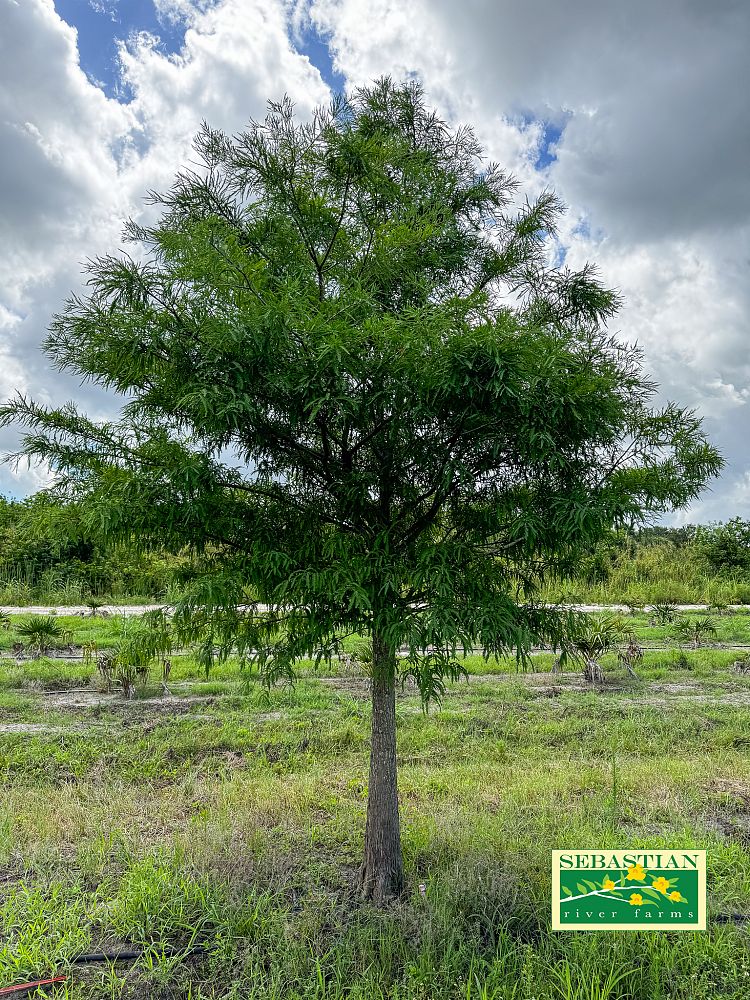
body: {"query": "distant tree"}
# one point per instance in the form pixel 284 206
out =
pixel 46 545
pixel 38 536
pixel 725 546
pixel 355 384
pixel 658 534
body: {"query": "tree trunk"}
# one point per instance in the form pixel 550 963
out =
pixel 381 876
pixel 592 671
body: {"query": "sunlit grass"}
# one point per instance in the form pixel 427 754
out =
pixel 232 816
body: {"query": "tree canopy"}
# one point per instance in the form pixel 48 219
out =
pixel 358 386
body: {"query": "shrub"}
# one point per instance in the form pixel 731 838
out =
pixel 42 633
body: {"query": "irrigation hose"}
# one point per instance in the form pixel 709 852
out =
pixel 101 956
pixel 27 987
pixel 128 956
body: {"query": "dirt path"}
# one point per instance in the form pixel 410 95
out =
pixel 78 609
pixel 549 685
pixel 139 609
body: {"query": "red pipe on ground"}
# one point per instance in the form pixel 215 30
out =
pixel 25 987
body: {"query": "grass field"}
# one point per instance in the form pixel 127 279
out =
pixel 231 817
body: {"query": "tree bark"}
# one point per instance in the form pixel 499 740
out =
pixel 592 671
pixel 381 876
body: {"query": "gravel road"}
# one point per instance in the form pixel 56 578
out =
pixel 139 609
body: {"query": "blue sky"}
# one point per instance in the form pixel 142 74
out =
pixel 546 154
pixel 102 23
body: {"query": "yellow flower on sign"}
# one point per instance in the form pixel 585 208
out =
pixel 637 872
pixel 636 899
pixel 661 883
pixel 675 897
pixel 608 884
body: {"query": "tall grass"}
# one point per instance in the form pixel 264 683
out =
pixel 653 574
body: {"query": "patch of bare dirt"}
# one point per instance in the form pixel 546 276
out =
pixel 549 685
pixel 546 682
pixel 735 699
pixel 730 786
pixel 357 687
pixel 81 698
pixel 35 727
pixel 728 812
pixel 675 687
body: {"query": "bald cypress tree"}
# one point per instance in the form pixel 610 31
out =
pixel 356 387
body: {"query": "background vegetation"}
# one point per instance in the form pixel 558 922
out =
pixel 45 557
pixel 694 564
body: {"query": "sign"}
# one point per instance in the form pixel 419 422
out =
pixel 629 890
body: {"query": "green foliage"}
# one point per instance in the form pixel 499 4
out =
pixel 595 635
pixel 658 535
pixel 42 632
pixel 590 638
pixel 414 455
pixel 719 608
pixel 631 656
pixel 664 613
pixel 48 555
pixel 695 630
pixel 144 641
pixel 725 546
pixel 654 566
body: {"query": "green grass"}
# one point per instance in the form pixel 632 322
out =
pixel 652 574
pixel 233 817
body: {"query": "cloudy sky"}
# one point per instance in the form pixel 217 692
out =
pixel 636 113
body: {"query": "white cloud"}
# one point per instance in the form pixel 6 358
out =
pixel 652 159
pixel 107 7
pixel 236 56
pixel 181 11
pixel 76 164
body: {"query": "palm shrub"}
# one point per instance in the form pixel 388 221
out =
pixel 697 631
pixel 148 642
pixel 42 633
pixel 719 608
pixel 664 613
pixel 125 666
pixel 361 650
pixel 106 665
pixel 635 607
pixel 631 656
pixel 588 640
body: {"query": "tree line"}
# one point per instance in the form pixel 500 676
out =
pixel 45 551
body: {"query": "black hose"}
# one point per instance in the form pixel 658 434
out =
pixel 107 956
pixel 129 956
